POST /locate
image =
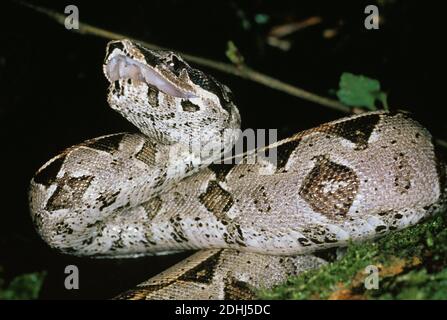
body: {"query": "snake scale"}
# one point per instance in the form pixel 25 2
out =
pixel 254 223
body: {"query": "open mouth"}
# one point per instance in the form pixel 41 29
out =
pixel 122 67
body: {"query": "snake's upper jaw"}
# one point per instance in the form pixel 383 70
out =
pixel 120 64
pixel 122 67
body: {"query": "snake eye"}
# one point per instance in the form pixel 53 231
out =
pixel 176 64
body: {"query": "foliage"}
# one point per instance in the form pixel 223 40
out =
pixel 360 91
pixel 233 54
pixel 23 287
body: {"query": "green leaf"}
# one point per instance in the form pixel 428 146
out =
pixel 23 287
pixel 262 18
pixel 360 91
pixel 233 54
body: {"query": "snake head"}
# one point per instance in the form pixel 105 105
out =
pixel 166 98
pixel 163 70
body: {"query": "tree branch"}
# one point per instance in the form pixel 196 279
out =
pixel 240 71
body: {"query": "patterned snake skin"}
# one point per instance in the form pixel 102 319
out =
pixel 255 223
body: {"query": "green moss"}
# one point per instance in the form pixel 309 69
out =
pixel 412 265
pixel 25 286
pixel 416 284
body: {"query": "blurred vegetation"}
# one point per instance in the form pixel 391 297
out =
pixel 23 287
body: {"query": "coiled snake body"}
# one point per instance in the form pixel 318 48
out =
pixel 255 224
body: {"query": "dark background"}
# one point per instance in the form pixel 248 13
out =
pixel 53 92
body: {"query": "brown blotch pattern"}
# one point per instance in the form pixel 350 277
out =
pixel 283 153
pixel 147 154
pixel 152 97
pixel 261 200
pixel 142 293
pixel 390 219
pixel 108 144
pixel 188 106
pixel 204 271
pixel 330 188
pixel 237 290
pixel 403 173
pixel 152 207
pixel 177 234
pixel 318 235
pixel 68 193
pixel 47 175
pixel 160 180
pixel 107 200
pixel 356 130
pixel 234 233
pixel 221 170
pixel 117 89
pixel 304 242
pixel 216 199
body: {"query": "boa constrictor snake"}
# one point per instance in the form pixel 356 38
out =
pixel 255 223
